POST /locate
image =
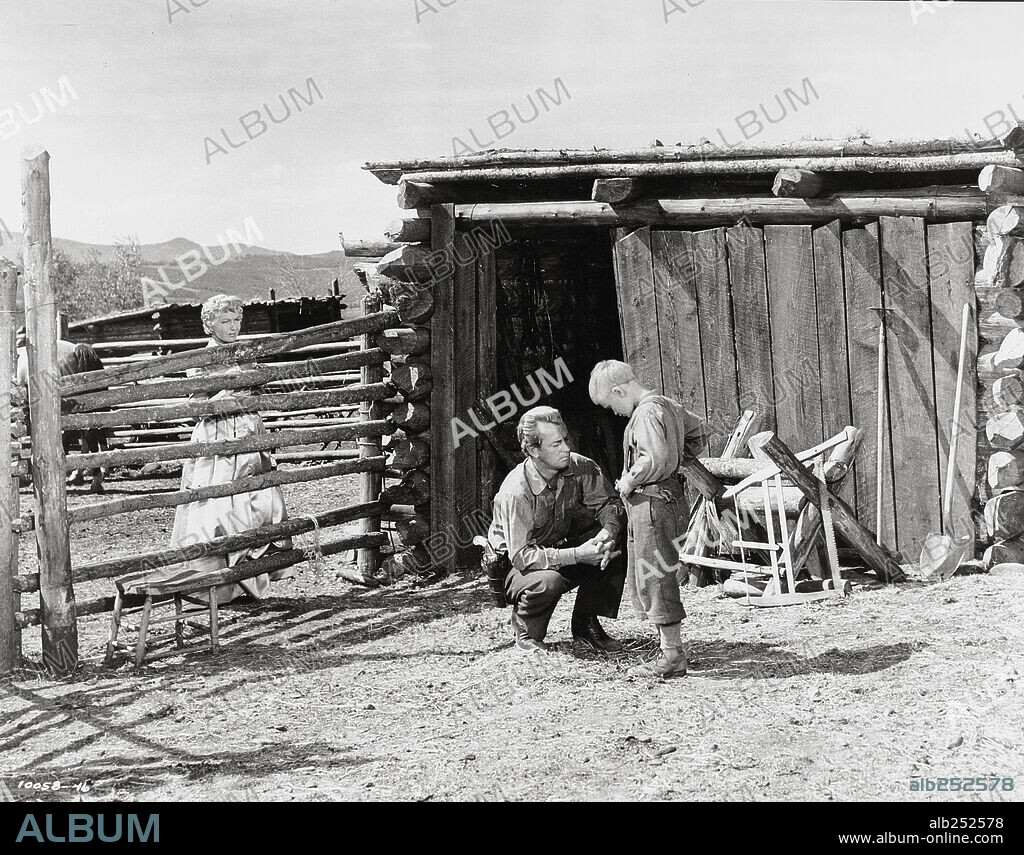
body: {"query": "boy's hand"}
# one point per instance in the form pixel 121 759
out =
pixel 624 487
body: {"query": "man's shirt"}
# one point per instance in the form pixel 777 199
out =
pixel 650 445
pixel 531 515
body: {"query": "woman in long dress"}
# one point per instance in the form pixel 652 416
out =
pixel 201 521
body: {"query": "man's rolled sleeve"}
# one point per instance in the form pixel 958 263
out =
pixel 514 517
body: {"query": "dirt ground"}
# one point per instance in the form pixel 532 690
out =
pixel 326 691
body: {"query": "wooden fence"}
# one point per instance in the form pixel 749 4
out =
pixel 138 393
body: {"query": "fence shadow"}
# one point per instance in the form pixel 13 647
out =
pixel 759 660
pixel 258 649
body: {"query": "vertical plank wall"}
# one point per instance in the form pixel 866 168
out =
pixel 830 294
pixel 862 266
pixel 637 304
pixel 442 397
pixel 487 367
pixel 951 276
pixel 792 309
pixel 749 284
pixel 782 321
pixel 675 291
pixel 915 450
pixel 464 458
pixel 717 334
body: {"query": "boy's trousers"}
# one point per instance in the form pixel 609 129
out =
pixel 657 517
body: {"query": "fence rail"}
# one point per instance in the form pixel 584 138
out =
pixel 232 354
pixel 312 389
pixel 345 384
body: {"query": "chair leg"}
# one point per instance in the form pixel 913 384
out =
pixel 140 649
pixel 214 642
pixel 115 626
pixel 179 639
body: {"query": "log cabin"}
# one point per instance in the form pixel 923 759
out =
pixel 749 278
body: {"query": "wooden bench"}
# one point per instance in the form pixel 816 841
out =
pixel 176 592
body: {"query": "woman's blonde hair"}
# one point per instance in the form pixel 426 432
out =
pixel 215 305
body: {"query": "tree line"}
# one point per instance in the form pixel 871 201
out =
pixel 94 287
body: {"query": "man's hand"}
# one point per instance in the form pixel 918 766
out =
pixel 602 542
pixel 595 552
pixel 624 487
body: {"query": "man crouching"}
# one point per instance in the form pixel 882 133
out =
pixel 557 519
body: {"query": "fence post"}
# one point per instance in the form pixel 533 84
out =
pixel 56 594
pixel 10 636
pixel 372 482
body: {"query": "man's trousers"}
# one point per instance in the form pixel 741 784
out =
pixel 535 593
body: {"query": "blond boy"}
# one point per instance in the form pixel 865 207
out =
pixel 660 434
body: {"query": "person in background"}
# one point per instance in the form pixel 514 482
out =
pixel 202 521
pixel 72 358
pixel 556 520
pixel 660 434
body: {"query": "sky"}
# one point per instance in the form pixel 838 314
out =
pixel 140 146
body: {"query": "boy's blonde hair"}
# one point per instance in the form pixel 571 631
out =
pixel 608 374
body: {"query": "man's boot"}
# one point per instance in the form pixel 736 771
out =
pixel 588 629
pixel 527 632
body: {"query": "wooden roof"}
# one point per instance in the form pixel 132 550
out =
pixel 707 158
pixel 151 311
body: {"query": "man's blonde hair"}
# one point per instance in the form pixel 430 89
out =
pixel 608 374
pixel 526 430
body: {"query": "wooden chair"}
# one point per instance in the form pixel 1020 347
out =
pixel 172 592
pixel 764 500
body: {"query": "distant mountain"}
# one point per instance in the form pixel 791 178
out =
pixel 249 272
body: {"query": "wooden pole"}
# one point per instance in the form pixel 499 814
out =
pixel 1014 138
pixel 367 248
pixel 796 183
pixel 10 602
pixel 616 191
pixel 409 230
pixel 56 593
pixel 296 372
pixel 696 542
pixel 1007 221
pixel 371 483
pixel 247 444
pixel 860 538
pixel 172 498
pixel 738 166
pixel 146 562
pixel 281 401
pixel 707 212
pixel 1001 179
pixel 442 396
pixel 230 354
pixel 404 341
pixel 391 172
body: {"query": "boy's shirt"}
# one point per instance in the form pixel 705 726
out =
pixel 651 451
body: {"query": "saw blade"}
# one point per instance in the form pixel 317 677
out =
pixel 826 523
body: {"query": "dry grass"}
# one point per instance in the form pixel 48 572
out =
pixel 324 691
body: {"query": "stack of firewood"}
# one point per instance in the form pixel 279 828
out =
pixel 403 280
pixel 1004 512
